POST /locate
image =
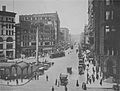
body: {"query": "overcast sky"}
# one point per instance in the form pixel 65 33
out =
pixel 72 13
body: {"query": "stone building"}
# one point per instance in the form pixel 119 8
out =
pixel 7 33
pixel 65 32
pixel 104 24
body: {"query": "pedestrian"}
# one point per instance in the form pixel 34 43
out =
pixel 52 88
pixel 21 80
pixel 37 77
pixel 7 83
pixel 97 76
pixel 101 82
pixel 77 84
pixel 90 80
pixel 56 82
pixel 17 81
pixel 93 78
pixel 87 77
pixel 84 87
pixel 65 88
pixel 93 70
pixel 46 77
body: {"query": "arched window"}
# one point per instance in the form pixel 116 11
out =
pixel 9 39
pixel 1 39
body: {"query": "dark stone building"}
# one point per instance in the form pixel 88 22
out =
pixel 104 24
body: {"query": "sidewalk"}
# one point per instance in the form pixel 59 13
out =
pixel 14 83
pixel 104 85
pixel 96 84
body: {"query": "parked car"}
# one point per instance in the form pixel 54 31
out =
pixel 58 54
pixel 46 66
pixel 63 79
pixel 41 70
pixel 81 69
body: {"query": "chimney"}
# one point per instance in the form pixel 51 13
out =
pixel 3 8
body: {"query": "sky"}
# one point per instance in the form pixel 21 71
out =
pixel 72 13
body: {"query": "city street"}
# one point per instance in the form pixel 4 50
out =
pixel 70 60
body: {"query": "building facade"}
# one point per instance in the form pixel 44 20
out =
pixel 18 40
pixel 65 32
pixel 7 33
pixel 104 21
pixel 48 32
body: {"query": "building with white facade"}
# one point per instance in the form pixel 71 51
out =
pixel 7 33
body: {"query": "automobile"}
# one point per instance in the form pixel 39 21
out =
pixel 46 66
pixel 69 70
pixel 58 54
pixel 81 61
pixel 41 70
pixel 63 79
pixel 81 69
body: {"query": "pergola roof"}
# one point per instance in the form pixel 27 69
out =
pixel 6 64
pixel 21 64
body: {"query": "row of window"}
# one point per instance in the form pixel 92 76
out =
pixel 7 19
pixel 108 2
pixel 33 37
pixel 36 18
pixel 9 39
pixel 8 32
pixel 25 44
pixel 109 15
pixel 108 28
pixel 10 26
pixel 8 46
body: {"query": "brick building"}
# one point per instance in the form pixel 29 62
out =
pixel 48 32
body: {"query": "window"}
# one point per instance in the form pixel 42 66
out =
pixel 1 39
pixel 12 19
pixel 12 26
pixel 9 39
pixel 41 43
pixel 112 14
pixel 34 43
pixel 107 2
pixel 12 32
pixel 7 32
pixel 1 32
pixel 6 19
pixel 9 45
pixel 47 43
pixel 1 46
pixel 107 29
pixel 6 25
pixel 9 25
pixel 107 15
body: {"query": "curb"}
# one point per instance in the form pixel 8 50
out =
pixel 99 88
pixel 18 84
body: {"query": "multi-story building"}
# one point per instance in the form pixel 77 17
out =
pixel 48 32
pixel 65 31
pixel 7 33
pixel 105 27
pixel 17 41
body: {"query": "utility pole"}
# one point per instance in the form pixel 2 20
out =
pixel 37 46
